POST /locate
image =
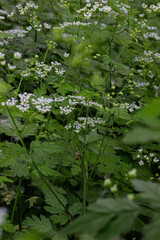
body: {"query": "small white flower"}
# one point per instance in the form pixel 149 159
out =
pixel 141 162
pixel 66 55
pixel 17 55
pixel 46 25
pixel 11 68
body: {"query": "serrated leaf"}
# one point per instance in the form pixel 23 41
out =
pixel 61 219
pixel 42 147
pixel 49 172
pixel 41 225
pixel 148 190
pixel 19 169
pixel 75 208
pixel 29 130
pixel 75 170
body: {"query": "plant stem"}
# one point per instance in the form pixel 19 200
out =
pixel 15 203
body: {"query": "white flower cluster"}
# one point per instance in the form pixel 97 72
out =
pixel 2 55
pixel 40 69
pixel 151 8
pixel 141 84
pixel 11 67
pixel 66 24
pixel 151 35
pixel 10 102
pixel 42 104
pixel 131 107
pixel 90 8
pixel 17 55
pixel 83 122
pixel 75 100
pixel 148 158
pixel 58 71
pixel 28 6
pixel 149 57
pixel 47 26
pixel 26 100
pixel 123 7
pixel 2 17
pixel 66 110
pixel 19 32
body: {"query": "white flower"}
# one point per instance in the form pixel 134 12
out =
pixel 132 173
pixel 141 162
pixel 11 68
pixel 66 55
pixel 2 55
pixel 46 25
pixel 17 55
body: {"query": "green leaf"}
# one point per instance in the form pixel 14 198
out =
pixel 29 130
pixel 8 226
pixel 19 169
pixel 41 225
pixel 122 224
pixel 5 179
pixel 121 113
pixel 49 172
pixel 89 223
pixel 148 190
pixel 141 135
pixel 75 208
pixel 61 219
pixel 5 35
pixel 45 147
pixel 75 169
pixel 110 205
pixel 152 230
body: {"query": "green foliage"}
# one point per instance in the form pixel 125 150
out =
pixel 79 117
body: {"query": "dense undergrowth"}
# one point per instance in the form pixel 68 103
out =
pixel 79 93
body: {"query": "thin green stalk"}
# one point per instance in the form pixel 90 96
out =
pixel 84 169
pixel 15 202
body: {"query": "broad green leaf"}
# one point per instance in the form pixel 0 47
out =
pixel 42 147
pixel 152 230
pixel 110 205
pixel 122 224
pixel 141 135
pixel 89 223
pixel 148 190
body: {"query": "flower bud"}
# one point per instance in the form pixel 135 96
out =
pixel 107 182
pixel 132 173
